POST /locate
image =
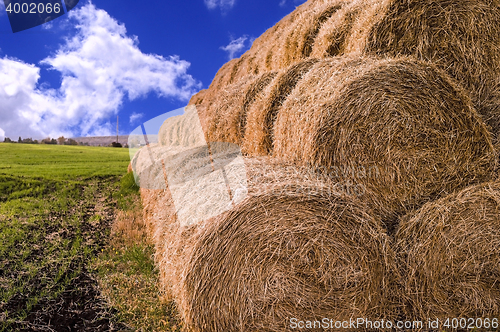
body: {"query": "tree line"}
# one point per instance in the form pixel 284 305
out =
pixel 60 141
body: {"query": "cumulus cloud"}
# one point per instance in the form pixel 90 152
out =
pixel 224 5
pixel 2 134
pixel 135 116
pixel 101 67
pixel 47 26
pixel 237 46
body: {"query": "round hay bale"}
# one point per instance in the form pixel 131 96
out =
pixel 174 240
pixel 197 98
pixel 292 252
pixel 228 114
pixel 346 32
pixel 182 130
pixel 450 253
pixel 289 41
pixel 461 37
pixel 220 81
pixel 261 54
pixel 403 118
pixel 347 282
pixel 332 38
pixel 298 38
pixel 262 113
pixel 224 114
pixel 160 219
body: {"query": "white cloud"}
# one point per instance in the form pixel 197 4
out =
pixel 47 26
pixel 224 5
pixel 237 46
pixel 2 134
pixel 100 67
pixel 135 116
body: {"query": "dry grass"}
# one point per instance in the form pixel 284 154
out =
pixel 450 252
pixel 426 117
pixel 182 130
pixel 128 279
pixel 262 113
pixel 297 39
pixel 198 98
pixel 347 31
pixel 129 228
pixel 402 116
pixel 226 112
pixel 288 208
pixel 227 117
pixel 461 37
pixel 276 256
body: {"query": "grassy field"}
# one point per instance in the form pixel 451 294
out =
pixel 62 162
pixel 73 253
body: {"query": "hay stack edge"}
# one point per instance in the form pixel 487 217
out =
pixel 352 159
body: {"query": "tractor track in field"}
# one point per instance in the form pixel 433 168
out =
pixel 80 306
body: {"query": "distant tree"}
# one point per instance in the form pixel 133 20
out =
pixel 7 140
pixel 71 142
pixel 61 140
pixel 20 140
pixel 35 142
pixel 46 140
pixel 116 145
pixel 53 141
pixel 27 141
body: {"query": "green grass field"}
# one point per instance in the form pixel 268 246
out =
pixel 62 162
pixel 58 205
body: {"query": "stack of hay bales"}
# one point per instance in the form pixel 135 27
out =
pixel 460 37
pixel 294 247
pixel 397 98
pixel 403 117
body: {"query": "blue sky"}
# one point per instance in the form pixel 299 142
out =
pixel 138 60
